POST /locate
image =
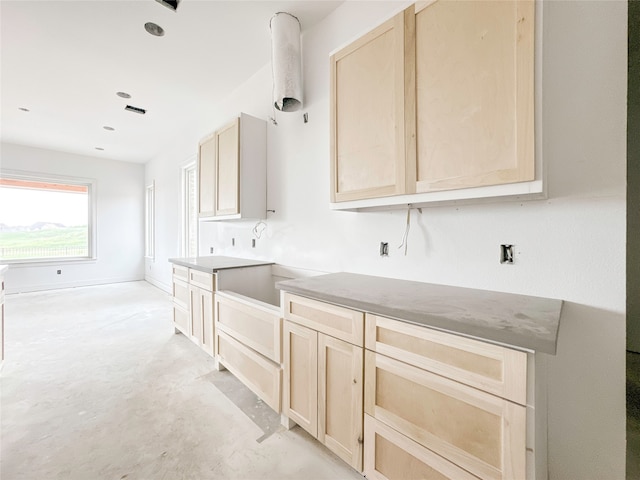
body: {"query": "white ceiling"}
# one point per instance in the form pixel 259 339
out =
pixel 65 61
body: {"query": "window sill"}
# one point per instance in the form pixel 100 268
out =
pixel 47 262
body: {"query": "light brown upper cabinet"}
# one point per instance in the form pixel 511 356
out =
pixel 323 373
pixel 440 97
pixel 232 171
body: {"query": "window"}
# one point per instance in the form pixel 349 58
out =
pixel 190 210
pixel 149 222
pixel 45 218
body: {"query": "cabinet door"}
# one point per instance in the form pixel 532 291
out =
pixel 479 432
pixel 207 177
pixel 474 93
pixel 182 320
pixel 196 314
pixel 300 393
pixel 369 111
pixel 227 192
pixel 206 307
pixel 340 389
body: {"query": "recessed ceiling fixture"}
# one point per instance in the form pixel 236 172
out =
pixel 99 148
pixel 133 109
pixel 106 127
pixel 123 94
pixel 22 109
pixel 171 4
pixel 154 29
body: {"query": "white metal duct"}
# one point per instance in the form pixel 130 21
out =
pixel 286 62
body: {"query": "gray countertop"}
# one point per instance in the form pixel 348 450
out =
pixel 215 263
pixel 520 321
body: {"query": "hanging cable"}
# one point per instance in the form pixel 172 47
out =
pixel 405 237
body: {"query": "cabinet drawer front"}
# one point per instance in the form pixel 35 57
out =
pixel 300 363
pixel 481 433
pixel 257 327
pixel 181 293
pixel 263 377
pixel 338 322
pixel 202 279
pixel 180 272
pixel 340 389
pixel 181 320
pixel 492 368
pixel 389 455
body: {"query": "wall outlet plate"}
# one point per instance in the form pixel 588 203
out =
pixel 506 253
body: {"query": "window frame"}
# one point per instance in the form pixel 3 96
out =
pixel 191 165
pixel 150 221
pixel 91 184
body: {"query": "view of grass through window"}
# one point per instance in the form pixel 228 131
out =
pixel 43 220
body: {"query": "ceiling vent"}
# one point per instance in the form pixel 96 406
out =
pixel 131 108
pixel 171 4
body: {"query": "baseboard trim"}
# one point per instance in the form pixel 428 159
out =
pixel 156 283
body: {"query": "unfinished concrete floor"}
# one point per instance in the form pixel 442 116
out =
pixel 96 385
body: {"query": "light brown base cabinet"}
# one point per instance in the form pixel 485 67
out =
pixel 323 375
pixel 193 306
pixel 434 405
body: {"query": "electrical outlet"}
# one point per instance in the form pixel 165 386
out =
pixel 233 242
pixel 59 272
pixel 506 254
pixel 384 249
pixel 253 243
pixel 210 249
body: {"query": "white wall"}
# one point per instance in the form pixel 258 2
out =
pixel 120 220
pixel 571 246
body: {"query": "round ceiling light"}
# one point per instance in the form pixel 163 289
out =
pixel 123 94
pixel 154 29
pixel 107 127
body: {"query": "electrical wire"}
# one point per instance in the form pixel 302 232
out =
pixel 405 237
pixel 257 232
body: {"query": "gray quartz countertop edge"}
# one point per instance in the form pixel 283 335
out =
pixel 212 264
pixel 521 321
